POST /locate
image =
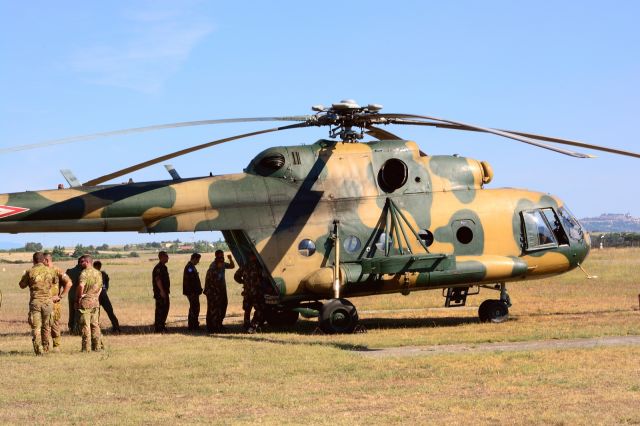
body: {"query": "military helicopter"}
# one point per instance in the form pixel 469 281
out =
pixel 340 217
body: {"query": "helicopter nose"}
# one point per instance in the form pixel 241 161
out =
pixel 582 248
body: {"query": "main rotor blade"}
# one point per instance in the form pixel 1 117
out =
pixel 148 163
pixel 147 129
pixel 399 119
pixel 534 136
pixel 381 134
pixel 576 143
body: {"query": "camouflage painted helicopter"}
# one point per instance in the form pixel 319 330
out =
pixel 340 218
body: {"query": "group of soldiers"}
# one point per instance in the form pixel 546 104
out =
pixel 250 275
pixel 48 286
pixel 86 286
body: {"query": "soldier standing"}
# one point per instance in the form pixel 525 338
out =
pixel 161 289
pixel 88 304
pixel 215 288
pixel 192 288
pixel 250 276
pixel 58 290
pixel 39 279
pixel 74 274
pixel 104 298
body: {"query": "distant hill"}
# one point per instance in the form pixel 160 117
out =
pixel 612 222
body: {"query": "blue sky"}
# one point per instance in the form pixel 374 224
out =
pixel 566 69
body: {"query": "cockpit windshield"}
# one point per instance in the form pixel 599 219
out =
pixel 571 224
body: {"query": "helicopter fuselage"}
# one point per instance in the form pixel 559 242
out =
pixel 402 221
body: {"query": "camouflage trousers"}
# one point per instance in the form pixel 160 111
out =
pixel 217 303
pixel 56 333
pixel 90 326
pixel 40 322
pixel 255 301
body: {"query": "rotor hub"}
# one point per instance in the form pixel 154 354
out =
pixel 346 119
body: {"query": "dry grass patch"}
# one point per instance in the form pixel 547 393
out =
pixel 295 376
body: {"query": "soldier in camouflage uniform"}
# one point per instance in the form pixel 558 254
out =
pixel 251 277
pixel 58 290
pixel 39 279
pixel 87 302
pixel 215 288
pixel 74 274
pixel 192 288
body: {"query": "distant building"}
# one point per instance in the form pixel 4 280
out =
pixel 612 222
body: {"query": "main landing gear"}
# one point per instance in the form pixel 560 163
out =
pixel 338 316
pixel 496 310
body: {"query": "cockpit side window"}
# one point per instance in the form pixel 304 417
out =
pixel 552 219
pixel 537 232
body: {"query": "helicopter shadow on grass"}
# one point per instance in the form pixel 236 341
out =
pixel 385 323
pixel 271 335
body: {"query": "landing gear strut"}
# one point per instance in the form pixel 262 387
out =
pixel 494 310
pixel 338 316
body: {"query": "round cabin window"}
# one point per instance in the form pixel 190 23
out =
pixel 393 175
pixel 352 244
pixel 382 241
pixel 464 234
pixel 426 237
pixel 306 247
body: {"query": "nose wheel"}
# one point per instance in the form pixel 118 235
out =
pixel 338 316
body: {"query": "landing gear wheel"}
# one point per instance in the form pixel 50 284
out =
pixel 493 310
pixel 280 317
pixel 338 316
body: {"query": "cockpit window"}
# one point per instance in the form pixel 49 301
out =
pixel 552 219
pixel 538 234
pixel 571 224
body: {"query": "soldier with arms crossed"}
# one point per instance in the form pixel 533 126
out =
pixel 39 279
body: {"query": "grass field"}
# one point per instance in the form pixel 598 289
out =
pixel 296 376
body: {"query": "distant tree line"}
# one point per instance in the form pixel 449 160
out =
pixel 128 250
pixel 615 239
